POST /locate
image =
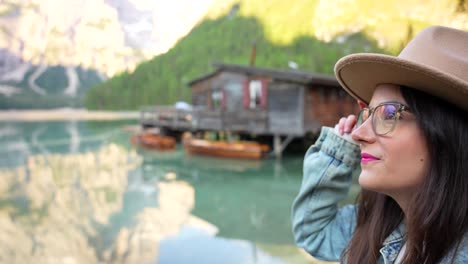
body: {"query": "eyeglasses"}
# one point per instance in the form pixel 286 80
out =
pixel 384 117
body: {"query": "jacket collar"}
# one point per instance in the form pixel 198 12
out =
pixel 393 244
pixel 397 235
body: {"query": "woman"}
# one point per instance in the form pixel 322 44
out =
pixel 409 140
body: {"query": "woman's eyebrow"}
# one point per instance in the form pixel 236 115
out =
pixel 394 101
pixel 385 102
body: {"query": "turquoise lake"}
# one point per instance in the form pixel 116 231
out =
pixel 79 192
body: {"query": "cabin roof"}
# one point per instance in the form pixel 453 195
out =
pixel 278 74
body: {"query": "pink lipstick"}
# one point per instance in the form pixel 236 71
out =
pixel 366 157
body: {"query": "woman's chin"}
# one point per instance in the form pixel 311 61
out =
pixel 369 182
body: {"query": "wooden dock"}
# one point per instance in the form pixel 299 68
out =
pixel 248 100
pixel 241 122
pixel 253 122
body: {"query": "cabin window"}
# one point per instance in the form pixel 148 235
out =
pixel 255 92
pixel 233 93
pixel 200 99
pixel 216 99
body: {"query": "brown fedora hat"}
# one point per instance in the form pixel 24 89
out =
pixel 435 61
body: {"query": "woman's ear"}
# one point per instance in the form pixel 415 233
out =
pixel 361 104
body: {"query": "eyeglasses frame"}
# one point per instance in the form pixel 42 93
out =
pixel 401 108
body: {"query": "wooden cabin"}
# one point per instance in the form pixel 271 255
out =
pixel 269 101
pixel 251 100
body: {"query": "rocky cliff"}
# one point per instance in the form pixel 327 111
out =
pixel 62 47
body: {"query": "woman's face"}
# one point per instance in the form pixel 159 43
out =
pixel 396 163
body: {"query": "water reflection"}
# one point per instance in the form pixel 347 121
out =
pixel 204 248
pixel 20 140
pixel 78 192
pixel 55 199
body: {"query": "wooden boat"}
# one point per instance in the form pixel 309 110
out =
pixel 155 142
pixel 223 149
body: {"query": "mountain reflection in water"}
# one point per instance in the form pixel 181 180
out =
pixel 78 192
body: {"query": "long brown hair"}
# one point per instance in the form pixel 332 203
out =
pixel 438 213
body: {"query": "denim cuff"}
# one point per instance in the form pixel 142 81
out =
pixel 338 147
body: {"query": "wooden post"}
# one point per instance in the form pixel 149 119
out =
pixel 253 54
pixel 277 146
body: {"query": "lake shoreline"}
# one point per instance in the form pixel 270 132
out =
pixel 65 114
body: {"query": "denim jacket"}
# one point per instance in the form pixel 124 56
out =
pixel 319 226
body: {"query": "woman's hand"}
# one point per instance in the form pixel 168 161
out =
pixel 345 125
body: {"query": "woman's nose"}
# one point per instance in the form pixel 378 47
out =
pixel 364 132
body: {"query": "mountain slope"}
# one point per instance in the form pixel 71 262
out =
pixel 388 22
pixel 91 39
pixel 163 79
pixel 312 34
